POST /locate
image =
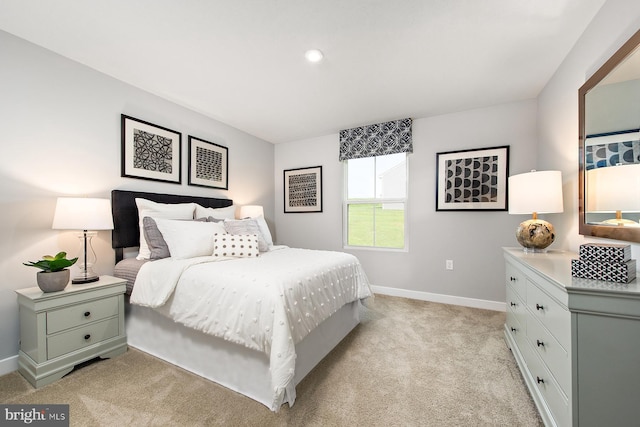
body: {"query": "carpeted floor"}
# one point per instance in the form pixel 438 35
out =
pixel 409 363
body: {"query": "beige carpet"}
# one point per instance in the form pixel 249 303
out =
pixel 409 363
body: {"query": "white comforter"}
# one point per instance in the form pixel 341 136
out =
pixel 268 303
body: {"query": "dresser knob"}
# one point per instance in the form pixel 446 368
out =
pixel 86 337
pixel 539 307
pixel 540 343
pixel 513 279
pixel 87 313
pixel 539 380
pixel 513 304
pixel 513 329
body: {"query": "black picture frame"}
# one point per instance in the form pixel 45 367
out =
pixel 208 164
pixel 473 180
pixel 303 190
pixel 150 151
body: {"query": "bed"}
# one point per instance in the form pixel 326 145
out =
pixel 254 324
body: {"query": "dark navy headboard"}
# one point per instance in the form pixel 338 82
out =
pixel 126 231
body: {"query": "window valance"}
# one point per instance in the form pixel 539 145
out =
pixel 376 140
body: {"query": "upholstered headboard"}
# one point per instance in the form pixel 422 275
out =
pixel 126 231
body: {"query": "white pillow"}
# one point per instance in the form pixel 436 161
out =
pixel 218 213
pixel 159 210
pixel 188 239
pixel 238 245
pixel 264 229
pixel 246 226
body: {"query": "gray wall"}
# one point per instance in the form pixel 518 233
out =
pixel 60 136
pixel 473 240
pixel 558 141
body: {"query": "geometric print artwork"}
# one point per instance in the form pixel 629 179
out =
pixel 612 154
pixel 208 164
pixel 152 152
pixel 302 190
pixel 376 140
pixel 471 180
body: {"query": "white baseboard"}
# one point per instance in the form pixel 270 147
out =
pixel 444 299
pixel 8 365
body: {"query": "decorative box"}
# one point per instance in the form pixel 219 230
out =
pixel 620 272
pixel 605 252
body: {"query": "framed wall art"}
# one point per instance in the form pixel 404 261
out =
pixel 303 190
pixel 208 164
pixel 472 180
pixel 150 151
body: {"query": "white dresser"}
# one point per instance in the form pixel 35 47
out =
pixel 59 330
pixel 576 341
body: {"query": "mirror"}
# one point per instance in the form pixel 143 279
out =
pixel 609 154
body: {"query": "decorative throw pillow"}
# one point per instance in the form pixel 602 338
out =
pixel 219 213
pixel 159 210
pixel 157 245
pixel 246 226
pixel 264 229
pixel 188 239
pixel 235 245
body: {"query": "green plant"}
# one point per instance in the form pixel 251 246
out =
pixel 50 263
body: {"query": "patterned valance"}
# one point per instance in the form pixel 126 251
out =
pixel 376 140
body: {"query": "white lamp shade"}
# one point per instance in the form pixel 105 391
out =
pixel 614 188
pixel 251 211
pixel 536 191
pixel 82 214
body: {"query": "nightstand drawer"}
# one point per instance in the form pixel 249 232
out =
pixel 80 314
pixel 69 341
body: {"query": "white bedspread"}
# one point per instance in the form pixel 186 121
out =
pixel 268 303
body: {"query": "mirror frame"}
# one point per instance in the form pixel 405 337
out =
pixel 630 234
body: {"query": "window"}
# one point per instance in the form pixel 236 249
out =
pixel 375 201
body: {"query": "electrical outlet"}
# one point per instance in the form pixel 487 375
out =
pixel 449 264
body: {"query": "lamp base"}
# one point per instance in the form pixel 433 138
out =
pixel 535 235
pixel 81 280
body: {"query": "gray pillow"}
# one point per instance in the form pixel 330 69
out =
pixel 246 226
pixel 153 236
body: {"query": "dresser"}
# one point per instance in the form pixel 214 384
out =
pixel 576 341
pixel 59 330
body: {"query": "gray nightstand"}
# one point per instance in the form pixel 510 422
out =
pixel 59 330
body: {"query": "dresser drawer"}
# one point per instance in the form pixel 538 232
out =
pixel 554 356
pixel 80 314
pixel 554 398
pixel 84 336
pixel 516 310
pixel 517 280
pixel 551 314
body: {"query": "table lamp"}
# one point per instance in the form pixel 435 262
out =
pixel 251 211
pixel 614 189
pixel 533 193
pixel 83 214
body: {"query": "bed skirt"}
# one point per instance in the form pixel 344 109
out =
pixel 238 368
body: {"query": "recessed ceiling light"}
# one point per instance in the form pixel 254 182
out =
pixel 314 55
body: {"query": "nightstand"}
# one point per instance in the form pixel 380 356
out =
pixel 59 330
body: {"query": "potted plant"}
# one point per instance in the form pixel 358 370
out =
pixel 54 275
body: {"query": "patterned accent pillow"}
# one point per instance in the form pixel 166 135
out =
pixel 235 245
pixel 246 226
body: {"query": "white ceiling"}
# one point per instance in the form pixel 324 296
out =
pixel 242 61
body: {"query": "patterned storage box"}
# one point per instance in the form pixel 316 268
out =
pixel 605 252
pixel 620 272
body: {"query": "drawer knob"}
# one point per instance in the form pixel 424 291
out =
pixel 513 304
pixel 539 380
pixel 87 313
pixel 513 329
pixel 513 279
pixel 540 343
pixel 86 337
pixel 539 307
